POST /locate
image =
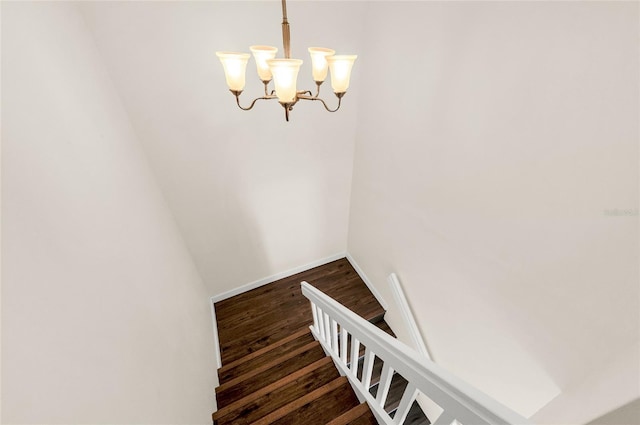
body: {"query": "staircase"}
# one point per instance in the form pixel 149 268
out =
pixel 274 372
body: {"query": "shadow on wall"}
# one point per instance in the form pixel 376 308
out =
pixel 628 414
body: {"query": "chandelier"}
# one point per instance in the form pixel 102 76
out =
pixel 284 72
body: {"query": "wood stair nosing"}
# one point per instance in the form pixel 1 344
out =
pixel 302 401
pixel 265 355
pixel 310 373
pixel 268 373
pixel 352 415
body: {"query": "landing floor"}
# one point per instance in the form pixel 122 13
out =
pixel 260 317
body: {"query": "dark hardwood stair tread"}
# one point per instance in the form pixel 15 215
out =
pixel 282 392
pixel 315 408
pixel 361 415
pixel 266 374
pixel 265 355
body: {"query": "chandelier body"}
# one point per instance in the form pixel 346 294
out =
pixel 284 72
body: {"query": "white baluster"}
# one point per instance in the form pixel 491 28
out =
pixel 315 317
pixel 355 349
pixel 343 344
pixel 334 336
pixel 409 396
pixel 368 368
pixel 327 330
pixel 321 323
pixel 385 382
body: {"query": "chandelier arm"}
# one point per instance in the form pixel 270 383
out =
pixel 323 102
pixel 237 95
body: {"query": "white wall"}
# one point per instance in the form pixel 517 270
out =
pixel 495 142
pixel 104 316
pixel 252 194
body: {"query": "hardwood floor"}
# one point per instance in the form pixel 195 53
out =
pixel 255 319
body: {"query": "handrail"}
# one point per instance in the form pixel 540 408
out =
pixel 336 327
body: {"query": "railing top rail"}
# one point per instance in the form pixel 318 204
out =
pixel 471 406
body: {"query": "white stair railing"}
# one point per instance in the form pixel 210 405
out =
pixel 340 330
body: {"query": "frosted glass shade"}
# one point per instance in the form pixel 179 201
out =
pixel 285 75
pixel 235 67
pixel 262 54
pixel 319 64
pixel 340 66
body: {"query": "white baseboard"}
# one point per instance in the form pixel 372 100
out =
pixel 216 341
pixel 270 279
pixel 367 282
pixel 256 284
